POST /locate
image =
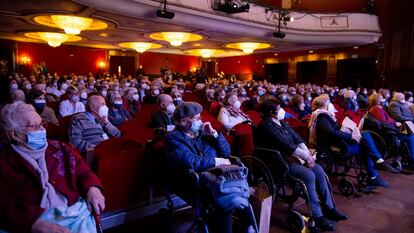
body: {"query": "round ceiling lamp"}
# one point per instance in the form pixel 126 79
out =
pixel 205 53
pixel 248 47
pixel 176 38
pixel 72 25
pixel 140 47
pixel 53 39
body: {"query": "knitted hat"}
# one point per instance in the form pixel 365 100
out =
pixel 187 109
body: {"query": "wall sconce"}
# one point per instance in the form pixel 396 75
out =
pixel 24 60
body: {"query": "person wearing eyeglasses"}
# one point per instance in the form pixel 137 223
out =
pixel 45 185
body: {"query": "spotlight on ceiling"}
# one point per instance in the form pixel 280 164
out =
pixel 279 34
pixel 230 6
pixel 164 13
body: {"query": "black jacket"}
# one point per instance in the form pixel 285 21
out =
pixel 160 119
pixel 279 137
pixel 328 131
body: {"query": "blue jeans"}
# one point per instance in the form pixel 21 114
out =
pixel 408 139
pixel 316 182
pixel 368 152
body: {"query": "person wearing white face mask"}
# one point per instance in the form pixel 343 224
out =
pixel 132 101
pixel 231 114
pixel 399 109
pixel 52 203
pixel 275 134
pixel 117 112
pixel 162 118
pixel 61 87
pixel 72 105
pixel 324 131
pixel 350 103
pixel 152 97
pixel 89 128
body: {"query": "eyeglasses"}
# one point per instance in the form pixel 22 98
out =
pixel 40 126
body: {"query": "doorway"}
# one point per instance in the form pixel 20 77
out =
pixel 125 64
pixel 277 73
pixel 209 67
pixel 311 72
pixel 357 72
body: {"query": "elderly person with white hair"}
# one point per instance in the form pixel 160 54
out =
pixel 350 101
pixel 91 127
pixel 72 105
pixel 131 100
pixel 399 109
pixel 18 95
pixel 45 186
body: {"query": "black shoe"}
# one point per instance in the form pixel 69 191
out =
pixel 378 182
pixel 323 224
pixel 386 167
pixel 334 215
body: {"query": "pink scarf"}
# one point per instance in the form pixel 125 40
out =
pixel 312 124
pixel 235 112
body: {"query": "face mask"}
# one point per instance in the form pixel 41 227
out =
pixel 91 87
pixel 402 101
pixel 14 86
pixel 331 108
pixel 170 109
pixel 84 95
pixel 64 86
pixel 135 97
pixel 156 92
pixel 354 97
pixel 310 98
pixel 103 93
pixel 127 84
pixel 103 111
pixel 261 93
pixel 144 86
pixel 196 125
pixel 40 105
pixel 301 105
pixel 177 101
pixel 281 114
pixel 118 103
pixel 28 86
pixel 293 93
pixel 410 99
pixel 36 139
pixel 81 82
pixel 237 104
pixel 75 98
pixel 244 94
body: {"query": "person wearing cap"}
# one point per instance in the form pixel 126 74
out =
pixel 198 146
pixel 38 100
pixel 91 127
pixel 162 118
pixel 274 133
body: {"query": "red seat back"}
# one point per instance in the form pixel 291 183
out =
pixel 254 116
pixel 64 127
pixel 243 140
pixel 122 167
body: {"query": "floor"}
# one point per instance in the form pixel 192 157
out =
pixel 383 211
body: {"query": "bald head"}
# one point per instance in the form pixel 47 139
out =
pixel 94 103
pixel 163 101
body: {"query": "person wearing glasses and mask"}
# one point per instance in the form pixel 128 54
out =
pixel 231 114
pixel 117 112
pixel 162 118
pixel 72 105
pixel 37 99
pixel 45 185
pixel 91 127
pixel 274 133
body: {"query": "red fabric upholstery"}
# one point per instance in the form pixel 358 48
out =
pixel 254 116
pixel 299 127
pixel 215 107
pixel 52 132
pixel 54 106
pixel 290 111
pixel 123 169
pixel 189 96
pixel 214 122
pixel 64 127
pixel 355 117
pixel 132 125
pixel 243 140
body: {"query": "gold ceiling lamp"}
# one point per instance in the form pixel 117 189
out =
pixel 176 38
pixel 140 47
pixel 248 47
pixel 72 25
pixel 205 53
pixel 53 39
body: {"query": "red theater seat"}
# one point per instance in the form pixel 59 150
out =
pixel 64 128
pixel 254 116
pixel 122 167
pixel 243 139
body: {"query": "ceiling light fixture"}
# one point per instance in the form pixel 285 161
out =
pixel 176 38
pixel 205 53
pixel 248 47
pixel 140 47
pixel 72 25
pixel 53 39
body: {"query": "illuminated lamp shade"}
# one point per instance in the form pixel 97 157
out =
pixel 248 47
pixel 205 53
pixel 53 39
pixel 140 47
pixel 176 38
pixel 72 25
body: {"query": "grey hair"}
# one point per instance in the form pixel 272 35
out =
pixel 10 117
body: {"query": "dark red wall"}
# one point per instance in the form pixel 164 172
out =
pixel 152 62
pixel 242 64
pixel 64 59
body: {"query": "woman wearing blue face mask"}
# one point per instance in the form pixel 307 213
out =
pixel 117 112
pixel 61 184
pixel 37 99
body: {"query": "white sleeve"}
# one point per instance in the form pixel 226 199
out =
pixel 300 153
pixel 63 109
pixel 223 117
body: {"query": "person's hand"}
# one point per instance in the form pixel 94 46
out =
pixel 221 161
pixel 208 129
pixel 356 136
pixel 46 227
pixel 398 124
pixel 310 161
pixel 104 120
pixel 96 201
